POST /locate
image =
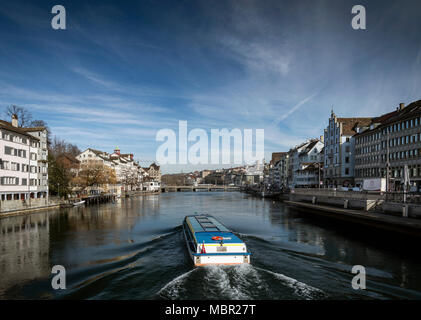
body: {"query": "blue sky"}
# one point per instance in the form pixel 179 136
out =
pixel 121 71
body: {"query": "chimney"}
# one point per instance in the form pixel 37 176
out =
pixel 117 150
pixel 401 106
pixel 15 120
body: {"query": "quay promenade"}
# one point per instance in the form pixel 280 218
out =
pixel 382 202
pixel 401 225
pixel 387 211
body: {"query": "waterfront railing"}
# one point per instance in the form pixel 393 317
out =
pixel 395 196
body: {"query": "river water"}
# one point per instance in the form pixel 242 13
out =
pixel 134 249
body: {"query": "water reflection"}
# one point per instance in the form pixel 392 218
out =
pixel 387 258
pixel 24 248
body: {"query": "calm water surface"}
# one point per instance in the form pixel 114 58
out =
pixel 134 249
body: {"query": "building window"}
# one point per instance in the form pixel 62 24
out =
pixel 4 165
pixel 9 181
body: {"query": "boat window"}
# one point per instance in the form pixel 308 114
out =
pixel 191 242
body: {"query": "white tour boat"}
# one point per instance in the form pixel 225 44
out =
pixel 210 242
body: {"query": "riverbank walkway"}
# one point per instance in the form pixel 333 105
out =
pixel 407 226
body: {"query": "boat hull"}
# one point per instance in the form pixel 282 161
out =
pixel 231 259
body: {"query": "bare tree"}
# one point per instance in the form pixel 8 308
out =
pixel 130 177
pixel 38 123
pixel 94 174
pixel 60 146
pixel 24 116
pixel 25 119
pixel 73 149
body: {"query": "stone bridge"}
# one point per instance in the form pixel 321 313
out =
pixel 199 188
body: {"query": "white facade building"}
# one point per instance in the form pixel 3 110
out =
pixel 123 164
pixel 254 173
pixel 305 161
pixel 23 161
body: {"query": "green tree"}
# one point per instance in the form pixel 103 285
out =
pixel 59 177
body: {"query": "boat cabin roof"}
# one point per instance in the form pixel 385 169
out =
pixel 204 223
pixel 205 227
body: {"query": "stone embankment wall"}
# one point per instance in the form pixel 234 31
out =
pixel 29 204
pixel 356 200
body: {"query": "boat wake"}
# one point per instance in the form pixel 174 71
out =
pixel 300 288
pixel 174 288
pixel 242 282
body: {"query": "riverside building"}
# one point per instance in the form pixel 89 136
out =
pixel 307 164
pixel 276 167
pixel 303 163
pixel 339 155
pixel 23 161
pixel 391 142
pixel 282 167
pixel 124 166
